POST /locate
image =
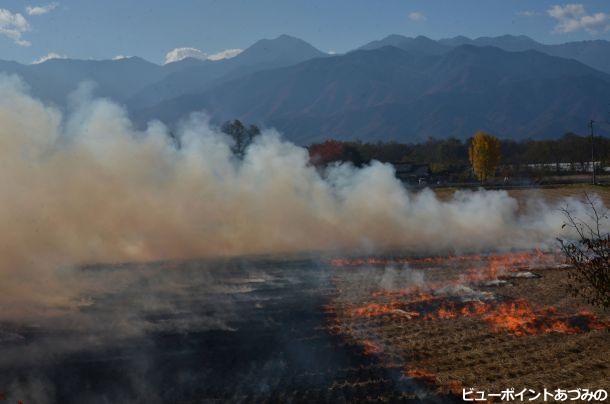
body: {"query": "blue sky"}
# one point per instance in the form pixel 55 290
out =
pixel 103 29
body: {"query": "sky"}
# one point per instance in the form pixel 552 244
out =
pixel 152 29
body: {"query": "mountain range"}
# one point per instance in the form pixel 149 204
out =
pixel 592 53
pixel 396 88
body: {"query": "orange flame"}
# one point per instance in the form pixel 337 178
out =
pixel 520 318
pixel 377 309
pixel 371 348
pixel 421 374
pixel 512 259
pixel 516 317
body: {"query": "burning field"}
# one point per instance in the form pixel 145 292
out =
pixel 238 330
pixel 218 287
pixel 487 322
pixel 275 329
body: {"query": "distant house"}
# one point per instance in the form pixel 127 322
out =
pixel 412 173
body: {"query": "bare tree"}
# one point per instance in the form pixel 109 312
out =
pixel 242 136
pixel 589 255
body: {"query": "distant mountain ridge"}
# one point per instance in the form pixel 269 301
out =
pixel 418 44
pixel 55 79
pixel 389 93
pixel 592 53
pixel 395 88
pixel 136 82
pixel 264 54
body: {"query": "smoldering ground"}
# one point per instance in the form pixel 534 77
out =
pixel 87 187
pixel 172 331
pixel 223 330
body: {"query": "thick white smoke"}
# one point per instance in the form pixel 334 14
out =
pixel 88 187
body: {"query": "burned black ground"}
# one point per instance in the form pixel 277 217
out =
pixel 231 331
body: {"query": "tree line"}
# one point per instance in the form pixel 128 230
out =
pixel 483 154
pixel 452 155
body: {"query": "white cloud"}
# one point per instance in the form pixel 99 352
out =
pixel 49 56
pixel 120 57
pixel 225 54
pixel 417 16
pixel 182 53
pixel 40 10
pixel 13 26
pixel 574 17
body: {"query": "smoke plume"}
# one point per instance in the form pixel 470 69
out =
pixel 87 187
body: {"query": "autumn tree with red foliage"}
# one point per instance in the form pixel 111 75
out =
pixel 322 154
